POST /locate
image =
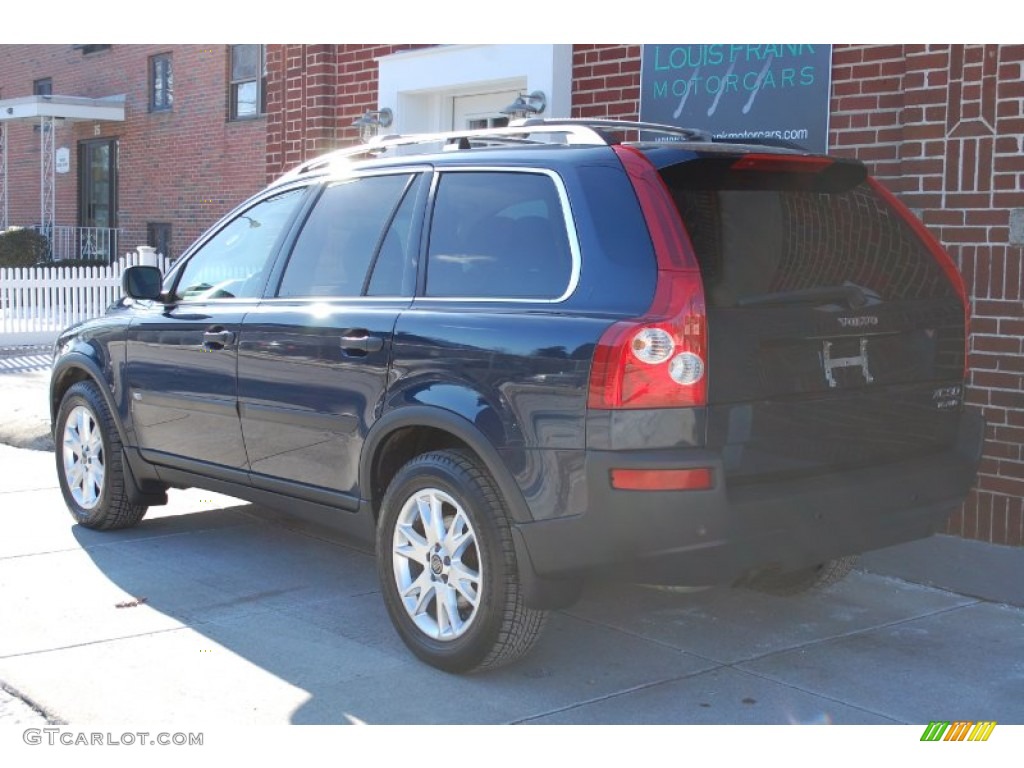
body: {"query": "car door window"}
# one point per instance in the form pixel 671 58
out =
pixel 341 237
pixel 498 235
pixel 232 264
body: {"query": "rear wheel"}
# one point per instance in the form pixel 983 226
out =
pixel 89 461
pixel 787 583
pixel 447 566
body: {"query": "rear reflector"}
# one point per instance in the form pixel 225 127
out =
pixel 662 479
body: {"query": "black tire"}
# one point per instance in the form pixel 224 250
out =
pixel 499 628
pixel 95 499
pixel 788 583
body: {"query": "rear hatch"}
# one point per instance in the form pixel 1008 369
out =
pixel 835 328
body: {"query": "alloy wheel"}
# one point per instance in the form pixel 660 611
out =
pixel 436 563
pixel 84 462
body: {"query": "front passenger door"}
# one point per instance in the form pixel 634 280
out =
pixel 314 357
pixel 183 356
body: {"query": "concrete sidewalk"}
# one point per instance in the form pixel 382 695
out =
pixel 24 410
pixel 973 568
pixel 230 616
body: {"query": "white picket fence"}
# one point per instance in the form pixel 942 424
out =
pixel 36 304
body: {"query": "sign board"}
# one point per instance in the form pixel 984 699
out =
pixel 767 93
pixel 62 160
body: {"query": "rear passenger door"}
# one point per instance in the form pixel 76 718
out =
pixel 314 356
pixel 492 336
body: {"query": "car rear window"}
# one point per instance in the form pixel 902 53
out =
pixel 756 242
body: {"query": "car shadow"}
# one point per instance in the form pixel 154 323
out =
pixel 302 603
pixel 255 617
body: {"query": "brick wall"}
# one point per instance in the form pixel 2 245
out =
pixel 187 166
pixel 606 81
pixel 943 126
pixel 314 93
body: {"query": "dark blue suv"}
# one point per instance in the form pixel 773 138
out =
pixel 517 357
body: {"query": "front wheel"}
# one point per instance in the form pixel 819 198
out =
pixel 447 566
pixel 89 461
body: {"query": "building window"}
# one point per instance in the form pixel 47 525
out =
pixel 87 49
pixel 158 235
pixel 248 81
pixel 483 123
pixel 161 82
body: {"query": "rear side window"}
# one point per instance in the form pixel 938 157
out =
pixel 338 242
pixel 498 235
pixel 755 242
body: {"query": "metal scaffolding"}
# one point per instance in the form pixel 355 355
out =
pixel 47 179
pixel 3 178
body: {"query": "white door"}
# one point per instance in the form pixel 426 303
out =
pixel 481 110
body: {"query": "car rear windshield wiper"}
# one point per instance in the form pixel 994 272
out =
pixel 853 295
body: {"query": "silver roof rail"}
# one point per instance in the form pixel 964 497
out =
pixel 603 125
pixel 569 131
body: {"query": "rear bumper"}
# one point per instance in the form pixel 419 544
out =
pixel 714 536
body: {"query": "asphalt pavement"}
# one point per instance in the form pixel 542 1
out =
pixel 217 612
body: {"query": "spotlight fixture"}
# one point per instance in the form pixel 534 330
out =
pixel 526 105
pixel 371 121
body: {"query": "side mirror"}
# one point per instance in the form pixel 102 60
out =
pixel 142 282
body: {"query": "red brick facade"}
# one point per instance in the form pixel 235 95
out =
pixel 606 81
pixel 187 166
pixel 314 93
pixel 943 126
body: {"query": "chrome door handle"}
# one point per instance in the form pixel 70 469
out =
pixel 361 343
pixel 218 339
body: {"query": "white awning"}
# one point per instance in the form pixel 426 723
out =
pixel 49 112
pixel 72 108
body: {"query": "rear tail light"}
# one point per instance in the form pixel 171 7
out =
pixel 652 345
pixel 632 371
pixel 658 360
pixel 944 259
pixel 686 368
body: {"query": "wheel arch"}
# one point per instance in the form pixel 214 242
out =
pixel 71 369
pixel 407 432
